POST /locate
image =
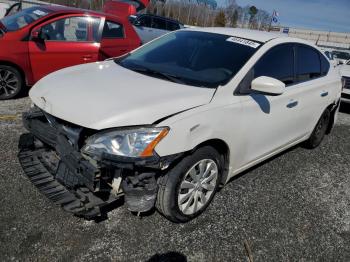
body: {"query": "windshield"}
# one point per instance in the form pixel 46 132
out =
pixel 23 18
pixel 192 58
pixel 342 55
pixel 329 55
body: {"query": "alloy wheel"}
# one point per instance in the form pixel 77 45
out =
pixel 9 83
pixel 197 187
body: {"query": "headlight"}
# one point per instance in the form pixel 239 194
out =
pixel 129 142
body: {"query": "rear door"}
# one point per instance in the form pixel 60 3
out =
pixel 311 69
pixel 65 41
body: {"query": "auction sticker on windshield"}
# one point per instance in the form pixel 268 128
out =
pixel 243 41
pixel 40 13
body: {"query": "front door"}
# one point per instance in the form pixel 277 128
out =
pixel 272 122
pixel 63 42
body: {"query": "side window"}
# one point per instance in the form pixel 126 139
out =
pixel 72 29
pixel 325 65
pixel 112 30
pixel 309 64
pixel 159 23
pixel 172 26
pixel 96 36
pixel 145 21
pixel 277 63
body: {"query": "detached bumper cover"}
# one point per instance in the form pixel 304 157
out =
pixel 51 159
pixel 82 202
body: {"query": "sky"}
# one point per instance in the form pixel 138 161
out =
pixel 325 15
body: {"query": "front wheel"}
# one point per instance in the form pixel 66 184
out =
pixel 189 187
pixel 10 82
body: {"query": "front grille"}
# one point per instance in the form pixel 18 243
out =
pixel 346 82
pixel 345 96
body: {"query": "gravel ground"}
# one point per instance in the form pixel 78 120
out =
pixel 295 207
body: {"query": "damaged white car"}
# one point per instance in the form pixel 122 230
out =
pixel 170 123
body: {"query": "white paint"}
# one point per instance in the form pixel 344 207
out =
pixel 255 127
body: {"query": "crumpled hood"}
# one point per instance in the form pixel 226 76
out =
pixel 106 95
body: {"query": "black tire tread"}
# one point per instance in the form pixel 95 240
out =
pixel 165 181
pixel 20 78
pixel 312 142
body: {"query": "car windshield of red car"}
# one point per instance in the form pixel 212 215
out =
pixel 24 18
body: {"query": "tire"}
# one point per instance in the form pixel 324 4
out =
pixel 176 186
pixel 319 132
pixel 11 82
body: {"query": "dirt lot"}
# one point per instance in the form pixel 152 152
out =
pixel 295 207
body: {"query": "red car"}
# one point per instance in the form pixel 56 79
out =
pixel 40 40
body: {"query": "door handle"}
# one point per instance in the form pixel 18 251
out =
pixel 87 57
pixel 292 104
pixel 324 94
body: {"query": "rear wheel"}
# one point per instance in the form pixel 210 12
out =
pixel 187 189
pixel 320 131
pixel 10 82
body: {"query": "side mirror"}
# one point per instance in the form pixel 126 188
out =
pixel 36 35
pixel 268 85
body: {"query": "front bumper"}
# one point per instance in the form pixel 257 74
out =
pixel 345 96
pixel 51 159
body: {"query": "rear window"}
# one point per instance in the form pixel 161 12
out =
pixel 24 18
pixel 325 65
pixel 159 23
pixel 112 30
pixel 341 55
pixel 172 26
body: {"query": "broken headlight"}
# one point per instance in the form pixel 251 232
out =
pixel 129 142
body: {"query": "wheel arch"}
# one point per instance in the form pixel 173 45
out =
pixel 224 151
pixel 333 108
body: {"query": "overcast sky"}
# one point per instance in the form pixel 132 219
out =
pixel 328 15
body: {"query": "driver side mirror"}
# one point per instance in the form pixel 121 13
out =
pixel 36 35
pixel 268 85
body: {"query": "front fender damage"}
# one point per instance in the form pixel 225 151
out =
pixel 50 157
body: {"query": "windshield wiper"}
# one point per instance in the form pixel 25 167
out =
pixel 172 78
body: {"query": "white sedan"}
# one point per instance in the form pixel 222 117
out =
pixel 168 124
pixel 345 72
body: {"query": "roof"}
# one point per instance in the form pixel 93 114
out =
pixel 260 36
pixel 67 9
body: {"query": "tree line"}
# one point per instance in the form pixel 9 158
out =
pixel 196 12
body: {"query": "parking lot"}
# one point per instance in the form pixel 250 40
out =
pixel 293 207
